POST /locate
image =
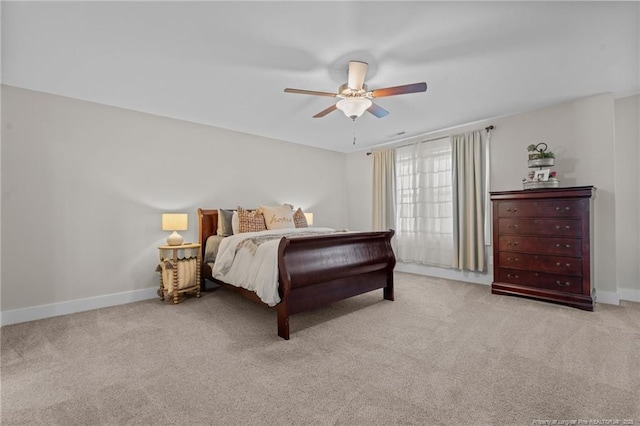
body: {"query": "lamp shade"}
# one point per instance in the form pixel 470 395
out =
pixel 174 222
pixel 353 107
pixel 309 217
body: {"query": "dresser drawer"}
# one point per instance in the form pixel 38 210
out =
pixel 547 208
pixel 534 279
pixel 537 262
pixel 542 245
pixel 551 227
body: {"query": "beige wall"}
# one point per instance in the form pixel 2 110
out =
pixel 84 186
pixel 582 135
pixel 627 162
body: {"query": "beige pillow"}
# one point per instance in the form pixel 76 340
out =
pixel 278 217
pixel 299 219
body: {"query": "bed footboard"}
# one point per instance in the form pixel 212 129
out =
pixel 318 270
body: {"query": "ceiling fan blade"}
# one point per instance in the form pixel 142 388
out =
pixel 378 111
pixel 325 111
pixel 309 92
pixel 357 73
pixel 399 90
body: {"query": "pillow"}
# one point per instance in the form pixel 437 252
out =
pixel 250 221
pixel 278 217
pixel 235 223
pixel 224 222
pixel 211 248
pixel 299 219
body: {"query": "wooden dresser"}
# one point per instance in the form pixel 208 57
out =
pixel 542 245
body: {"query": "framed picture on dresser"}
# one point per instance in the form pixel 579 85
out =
pixel 542 175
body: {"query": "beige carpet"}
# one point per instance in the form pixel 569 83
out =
pixel 444 352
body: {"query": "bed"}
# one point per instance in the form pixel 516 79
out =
pixel 316 270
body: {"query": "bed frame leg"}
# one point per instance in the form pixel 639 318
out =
pixel 388 290
pixel 283 320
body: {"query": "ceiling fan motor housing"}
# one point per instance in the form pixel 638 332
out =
pixel 345 91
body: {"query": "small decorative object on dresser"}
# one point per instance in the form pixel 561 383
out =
pixel 542 245
pixel 179 270
pixel 539 157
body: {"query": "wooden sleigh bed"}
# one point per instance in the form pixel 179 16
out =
pixel 315 271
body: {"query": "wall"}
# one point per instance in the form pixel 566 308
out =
pixel 627 159
pixel 84 186
pixel 581 133
pixel 360 190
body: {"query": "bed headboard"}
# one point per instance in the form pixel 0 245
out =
pixel 208 225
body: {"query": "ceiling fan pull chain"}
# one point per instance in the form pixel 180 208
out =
pixel 354 132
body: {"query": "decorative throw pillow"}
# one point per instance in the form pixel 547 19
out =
pixel 250 221
pixel 224 222
pixel 235 223
pixel 278 217
pixel 299 219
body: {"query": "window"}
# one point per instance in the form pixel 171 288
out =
pixel 424 203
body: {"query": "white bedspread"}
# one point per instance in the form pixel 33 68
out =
pixel 250 260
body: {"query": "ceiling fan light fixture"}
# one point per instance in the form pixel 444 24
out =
pixel 353 107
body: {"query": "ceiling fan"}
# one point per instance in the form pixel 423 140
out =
pixel 355 97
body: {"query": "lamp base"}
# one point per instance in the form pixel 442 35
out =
pixel 175 239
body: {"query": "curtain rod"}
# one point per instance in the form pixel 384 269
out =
pixel 488 128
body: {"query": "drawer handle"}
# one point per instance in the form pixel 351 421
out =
pixel 511 276
pixel 513 210
pixel 512 260
pixel 512 226
pixel 565 227
pixel 565 209
pixel 566 245
pixel 566 264
pixel 563 284
pixel 515 243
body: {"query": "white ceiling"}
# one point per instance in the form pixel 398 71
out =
pixel 226 64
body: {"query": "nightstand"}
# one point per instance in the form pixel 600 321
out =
pixel 176 266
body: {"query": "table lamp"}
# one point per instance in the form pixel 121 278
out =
pixel 174 222
pixel 309 217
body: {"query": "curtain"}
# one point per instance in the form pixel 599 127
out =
pixel 424 218
pixel 384 191
pixel 468 201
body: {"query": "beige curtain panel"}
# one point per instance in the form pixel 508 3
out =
pixel 384 190
pixel 468 201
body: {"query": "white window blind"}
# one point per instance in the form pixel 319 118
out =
pixel 424 231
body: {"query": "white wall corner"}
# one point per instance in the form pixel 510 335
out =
pixel 16 316
pixel 608 297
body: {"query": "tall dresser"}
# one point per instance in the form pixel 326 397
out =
pixel 542 244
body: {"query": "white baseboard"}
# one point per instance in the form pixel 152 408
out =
pixel 80 305
pixel 72 306
pixel 450 274
pixel 608 297
pixel 630 294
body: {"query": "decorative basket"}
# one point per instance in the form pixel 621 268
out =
pixel 541 162
pixel 541 184
pixel 539 156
